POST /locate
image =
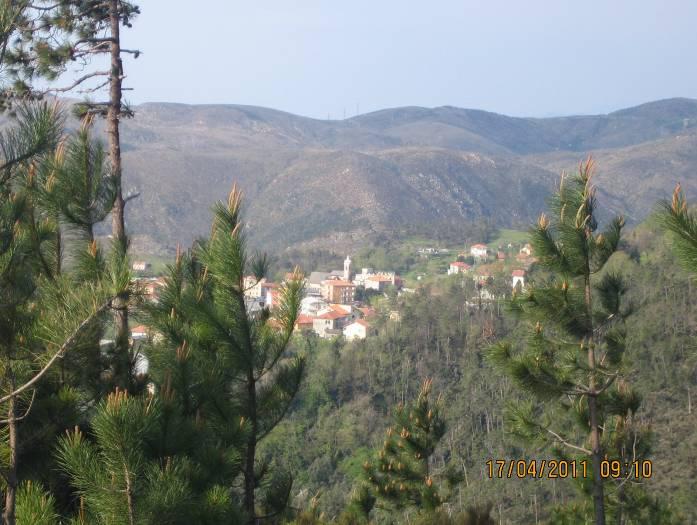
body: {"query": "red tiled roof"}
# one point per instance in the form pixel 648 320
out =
pixel 304 319
pixel 337 282
pixel 140 328
pixel 339 309
pixel 460 265
pixel 367 311
pixel 333 315
pixel 362 323
pixel 479 245
pixel 518 273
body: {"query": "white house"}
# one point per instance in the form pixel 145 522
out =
pixel 379 282
pixel 267 289
pixel 252 286
pixel 139 332
pixel 518 278
pixel 458 267
pixel 478 251
pixel 526 249
pixel 368 274
pixel 330 323
pixel 357 330
pixel 141 365
pixel 141 266
pixel 359 278
pixel 311 305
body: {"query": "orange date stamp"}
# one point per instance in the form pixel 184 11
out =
pixel 560 468
pixel 537 468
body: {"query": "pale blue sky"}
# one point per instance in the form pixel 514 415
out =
pixel 320 57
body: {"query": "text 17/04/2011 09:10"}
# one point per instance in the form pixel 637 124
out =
pixel 553 468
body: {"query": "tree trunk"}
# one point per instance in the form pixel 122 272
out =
pixel 118 228
pixel 59 247
pixel 8 516
pixel 113 117
pixel 249 477
pixel 689 400
pixel 596 453
pixel 598 495
pixel 129 496
pixel 620 505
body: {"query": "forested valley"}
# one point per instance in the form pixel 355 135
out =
pixel 223 411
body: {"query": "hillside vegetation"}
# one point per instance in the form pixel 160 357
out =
pixel 337 184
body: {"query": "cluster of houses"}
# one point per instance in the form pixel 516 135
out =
pixel 481 271
pixel 329 308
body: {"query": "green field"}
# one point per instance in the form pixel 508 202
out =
pixel 514 237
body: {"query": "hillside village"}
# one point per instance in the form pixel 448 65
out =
pixel 337 302
pixel 485 266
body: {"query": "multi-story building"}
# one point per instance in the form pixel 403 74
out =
pixel 338 291
pixel 252 286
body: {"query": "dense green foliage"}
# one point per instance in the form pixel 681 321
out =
pixel 239 418
pixel 344 406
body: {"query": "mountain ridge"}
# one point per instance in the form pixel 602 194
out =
pixel 308 180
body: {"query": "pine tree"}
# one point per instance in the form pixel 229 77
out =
pixel 681 224
pixel 35 506
pixel 116 480
pixel 574 355
pixel 49 39
pixel 42 313
pixel 37 131
pixel 400 476
pixel 78 185
pixel 230 368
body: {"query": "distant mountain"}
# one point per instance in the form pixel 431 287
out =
pixel 336 183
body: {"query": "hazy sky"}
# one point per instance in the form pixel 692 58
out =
pixel 323 57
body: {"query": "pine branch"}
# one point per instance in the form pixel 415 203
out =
pixel 64 347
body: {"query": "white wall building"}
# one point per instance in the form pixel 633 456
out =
pixel 311 305
pixel 458 267
pixel 478 251
pixel 357 330
pixel 360 279
pixel 518 278
pixel 253 286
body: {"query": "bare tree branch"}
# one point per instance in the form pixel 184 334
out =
pixel 567 444
pixel 80 81
pixel 26 413
pixel 65 346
